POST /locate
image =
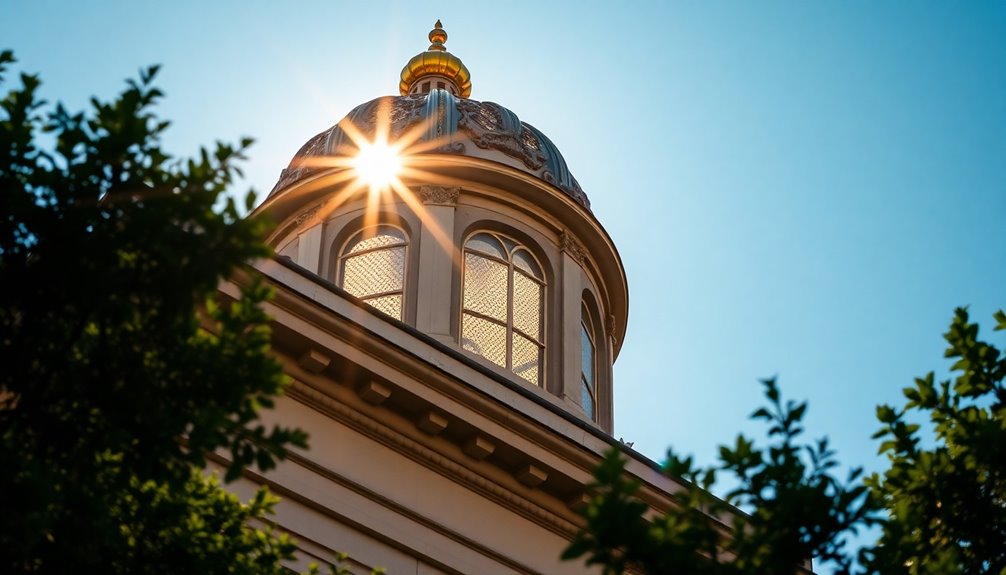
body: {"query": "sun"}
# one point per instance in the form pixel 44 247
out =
pixel 377 164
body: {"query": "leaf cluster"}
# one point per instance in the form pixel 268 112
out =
pixel 121 367
pixel 799 509
pixel 941 503
pixel 945 492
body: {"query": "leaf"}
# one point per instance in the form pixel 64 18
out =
pixel 886 414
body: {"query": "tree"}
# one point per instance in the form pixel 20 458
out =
pixel 122 369
pixel 941 504
pixel 798 509
pixel 945 490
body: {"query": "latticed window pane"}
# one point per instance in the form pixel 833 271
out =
pixel 485 287
pixel 523 260
pixel 486 244
pixel 527 305
pixel 526 358
pixel 485 338
pixel 386 236
pixel 504 282
pixel 586 355
pixel 586 398
pixel 375 272
pixel 389 304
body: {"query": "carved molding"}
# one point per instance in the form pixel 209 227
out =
pixel 306 217
pixel 432 422
pixel 374 393
pixel 531 475
pixel 440 195
pixel 338 514
pixel 325 403
pixel 479 447
pixel 483 123
pixel 568 244
pixel 610 325
pixel 314 361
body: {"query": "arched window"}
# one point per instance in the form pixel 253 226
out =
pixel 502 305
pixel 588 389
pixel 372 268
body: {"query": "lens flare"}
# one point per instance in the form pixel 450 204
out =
pixel 377 165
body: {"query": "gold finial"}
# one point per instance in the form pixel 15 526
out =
pixel 438 36
pixel 436 61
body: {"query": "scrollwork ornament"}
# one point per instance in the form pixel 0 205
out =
pixel 305 217
pixel 569 245
pixel 440 195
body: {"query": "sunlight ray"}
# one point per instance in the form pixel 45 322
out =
pixel 414 203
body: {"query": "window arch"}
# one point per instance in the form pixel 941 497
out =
pixel 502 305
pixel 372 268
pixel 588 365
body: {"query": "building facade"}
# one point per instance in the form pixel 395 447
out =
pixel 449 310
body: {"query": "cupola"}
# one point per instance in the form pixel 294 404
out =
pixel 481 239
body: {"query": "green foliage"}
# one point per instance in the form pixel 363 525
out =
pixel 121 368
pixel 945 491
pixel 798 509
pixel 617 537
pixel 941 504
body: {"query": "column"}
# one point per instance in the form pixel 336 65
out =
pixel 436 261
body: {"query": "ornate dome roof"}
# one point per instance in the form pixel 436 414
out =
pixel 449 124
pixel 459 125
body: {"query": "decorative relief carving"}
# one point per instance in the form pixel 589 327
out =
pixel 483 123
pixel 451 148
pixel 399 112
pixel 576 193
pixel 489 126
pixel 609 326
pixel 439 195
pixel 568 244
pixel 306 217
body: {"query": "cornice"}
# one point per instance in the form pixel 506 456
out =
pixel 352 331
pixel 431 459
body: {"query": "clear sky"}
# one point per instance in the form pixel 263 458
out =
pixel 801 189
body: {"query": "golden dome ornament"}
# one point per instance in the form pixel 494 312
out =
pixel 436 68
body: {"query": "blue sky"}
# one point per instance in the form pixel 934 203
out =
pixel 801 189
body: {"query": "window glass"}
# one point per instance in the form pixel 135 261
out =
pixel 486 244
pixel 386 236
pixel 586 399
pixel 485 338
pixel 389 304
pixel 587 387
pixel 374 272
pixel 587 355
pixel 372 268
pixel 523 260
pixel 486 287
pixel 503 305
pixel 527 305
pixel 526 358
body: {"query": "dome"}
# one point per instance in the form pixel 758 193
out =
pixel 454 126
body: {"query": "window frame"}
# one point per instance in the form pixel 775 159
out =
pixel 511 246
pixel 360 235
